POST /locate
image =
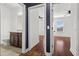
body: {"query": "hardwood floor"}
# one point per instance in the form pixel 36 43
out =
pixel 66 53
pixel 38 50
pixel 62 46
pixel 34 52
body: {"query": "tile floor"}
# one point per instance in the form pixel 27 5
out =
pixel 9 51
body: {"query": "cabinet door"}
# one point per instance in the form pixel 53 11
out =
pixel 11 38
pixel 16 40
pixel 20 39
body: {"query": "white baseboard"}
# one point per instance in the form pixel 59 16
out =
pixel 25 51
pixel 48 54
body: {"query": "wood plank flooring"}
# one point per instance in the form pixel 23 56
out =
pixel 63 48
pixel 34 52
pixel 38 50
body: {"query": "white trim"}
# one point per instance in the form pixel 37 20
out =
pixel 48 54
pixel 45 32
pixel 24 50
pixel 51 30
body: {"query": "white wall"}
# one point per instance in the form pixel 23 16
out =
pixel 16 22
pixel 5 23
pixel 10 22
pixel 70 27
pixel 77 30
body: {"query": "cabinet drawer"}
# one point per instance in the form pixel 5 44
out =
pixel 16 39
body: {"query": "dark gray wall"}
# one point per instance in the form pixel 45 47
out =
pixel 47 24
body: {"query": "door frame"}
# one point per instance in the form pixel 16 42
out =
pixel 51 30
pixel 24 50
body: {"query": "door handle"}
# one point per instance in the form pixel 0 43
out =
pixel 40 17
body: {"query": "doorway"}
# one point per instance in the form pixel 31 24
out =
pixel 11 29
pixel 63 37
pixel 36 28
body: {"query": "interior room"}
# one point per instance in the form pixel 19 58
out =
pixel 65 29
pixel 11 29
pixel 62 17
pixel 39 29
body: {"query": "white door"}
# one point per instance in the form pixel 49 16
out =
pixel 41 20
pixel 36 24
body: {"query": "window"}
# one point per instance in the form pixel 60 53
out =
pixel 59 25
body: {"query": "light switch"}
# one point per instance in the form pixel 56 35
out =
pixel 48 27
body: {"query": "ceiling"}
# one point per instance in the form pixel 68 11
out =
pixel 61 9
pixel 12 6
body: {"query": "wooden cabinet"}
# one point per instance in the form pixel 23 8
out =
pixel 16 39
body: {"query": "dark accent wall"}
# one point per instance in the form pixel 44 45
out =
pixel 26 27
pixel 48 24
